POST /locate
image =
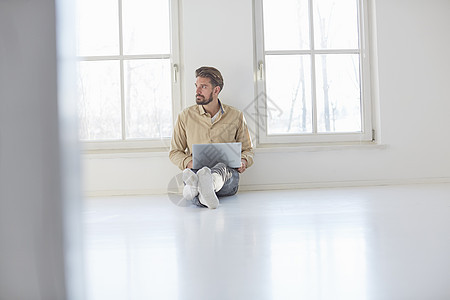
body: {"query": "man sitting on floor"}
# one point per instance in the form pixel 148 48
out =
pixel 210 121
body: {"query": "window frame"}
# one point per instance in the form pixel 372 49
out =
pixel 367 134
pixel 131 145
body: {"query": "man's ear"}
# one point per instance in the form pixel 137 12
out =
pixel 217 90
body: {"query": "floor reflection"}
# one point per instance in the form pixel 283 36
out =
pixel 320 256
pixel 130 253
pixel 339 244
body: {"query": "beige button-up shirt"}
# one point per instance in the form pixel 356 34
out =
pixel 194 126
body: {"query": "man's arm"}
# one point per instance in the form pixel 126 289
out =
pixel 243 136
pixel 178 145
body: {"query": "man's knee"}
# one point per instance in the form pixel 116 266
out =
pixel 231 186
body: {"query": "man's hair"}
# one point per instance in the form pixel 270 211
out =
pixel 213 74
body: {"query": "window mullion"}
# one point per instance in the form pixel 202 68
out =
pixel 361 44
pixel 313 68
pixel 364 76
pixel 122 76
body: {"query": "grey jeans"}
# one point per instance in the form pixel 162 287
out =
pixel 230 177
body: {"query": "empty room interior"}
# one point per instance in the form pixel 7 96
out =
pixel 340 110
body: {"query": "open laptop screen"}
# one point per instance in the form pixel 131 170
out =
pixel 208 155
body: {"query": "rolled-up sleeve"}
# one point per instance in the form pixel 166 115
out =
pixel 178 144
pixel 243 136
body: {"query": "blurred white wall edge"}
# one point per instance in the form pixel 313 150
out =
pixel 40 257
pixel 69 148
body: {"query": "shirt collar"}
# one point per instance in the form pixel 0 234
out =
pixel 202 110
pixel 221 107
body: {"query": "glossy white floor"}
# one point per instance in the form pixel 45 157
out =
pixel 380 243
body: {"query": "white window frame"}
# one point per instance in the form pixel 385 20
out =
pixel 367 134
pixel 143 144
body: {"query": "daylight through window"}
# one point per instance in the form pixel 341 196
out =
pixel 124 69
pixel 316 77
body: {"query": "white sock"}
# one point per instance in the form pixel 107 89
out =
pixel 190 189
pixel 206 193
pixel 189 192
pixel 217 181
pixel 189 177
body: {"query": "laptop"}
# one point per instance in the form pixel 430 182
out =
pixel 208 155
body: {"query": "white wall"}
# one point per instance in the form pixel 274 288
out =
pixel 35 247
pixel 413 104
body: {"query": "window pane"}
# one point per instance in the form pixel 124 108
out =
pixel 336 24
pixel 148 98
pixel 288 87
pixel 99 100
pixel 97 27
pixel 286 26
pixel 338 93
pixel 146 26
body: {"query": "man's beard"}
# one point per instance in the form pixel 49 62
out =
pixel 204 101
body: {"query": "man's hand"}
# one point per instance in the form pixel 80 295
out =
pixel 189 165
pixel 243 165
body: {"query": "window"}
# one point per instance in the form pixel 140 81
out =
pixel 314 77
pixel 127 63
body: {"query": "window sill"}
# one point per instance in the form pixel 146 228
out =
pixel 283 148
pixel 127 147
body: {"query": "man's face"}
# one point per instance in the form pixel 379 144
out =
pixel 204 91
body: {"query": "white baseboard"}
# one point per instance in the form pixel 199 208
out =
pixel 124 192
pixel 283 186
pixel 337 184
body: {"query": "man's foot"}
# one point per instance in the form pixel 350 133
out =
pixel 206 194
pixel 190 189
